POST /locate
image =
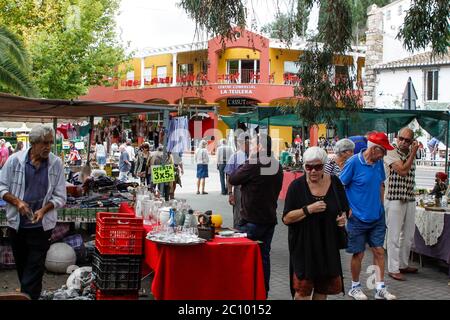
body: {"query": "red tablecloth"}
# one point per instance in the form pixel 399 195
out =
pixel 222 269
pixel 288 177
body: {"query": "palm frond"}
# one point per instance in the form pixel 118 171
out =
pixel 11 45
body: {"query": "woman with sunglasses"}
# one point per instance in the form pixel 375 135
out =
pixel 314 211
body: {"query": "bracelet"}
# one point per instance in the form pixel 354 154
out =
pixel 305 211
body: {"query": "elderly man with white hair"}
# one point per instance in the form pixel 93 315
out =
pixel 313 211
pixel 343 150
pixel 224 153
pixel 363 177
pixel 32 183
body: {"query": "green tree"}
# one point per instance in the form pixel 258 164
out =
pixel 426 22
pixel 15 68
pixel 358 11
pixel 72 43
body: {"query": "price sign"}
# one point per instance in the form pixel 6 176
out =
pixel 164 173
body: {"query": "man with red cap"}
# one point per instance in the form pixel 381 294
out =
pixel 400 205
pixel 363 177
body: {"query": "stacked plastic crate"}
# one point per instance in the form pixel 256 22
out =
pixel 118 257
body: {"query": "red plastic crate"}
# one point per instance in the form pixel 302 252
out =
pixel 118 233
pixel 125 295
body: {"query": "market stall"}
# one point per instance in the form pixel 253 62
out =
pixel 432 234
pixel 223 268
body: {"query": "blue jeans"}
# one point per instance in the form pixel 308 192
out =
pixel 263 233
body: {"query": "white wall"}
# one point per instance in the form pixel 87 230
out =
pixel 391 84
pixel 393 48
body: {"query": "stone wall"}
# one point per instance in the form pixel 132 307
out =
pixel 374 52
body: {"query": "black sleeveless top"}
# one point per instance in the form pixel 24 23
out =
pixel 313 247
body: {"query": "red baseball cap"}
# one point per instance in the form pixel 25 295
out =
pixel 381 139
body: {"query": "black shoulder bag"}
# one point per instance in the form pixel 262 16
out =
pixel 341 233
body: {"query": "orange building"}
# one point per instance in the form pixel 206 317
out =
pixel 252 70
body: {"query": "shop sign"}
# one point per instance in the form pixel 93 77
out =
pixel 236 89
pixel 163 173
pixel 241 102
pixel 66 145
pixel 79 145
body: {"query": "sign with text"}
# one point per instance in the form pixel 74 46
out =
pixel 241 102
pixel 163 173
pixel 228 89
pixel 66 145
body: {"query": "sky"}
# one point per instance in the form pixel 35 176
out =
pixel 160 23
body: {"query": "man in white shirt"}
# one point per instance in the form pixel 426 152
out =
pixel 132 156
pixel 224 152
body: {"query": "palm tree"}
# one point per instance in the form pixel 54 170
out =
pixel 15 70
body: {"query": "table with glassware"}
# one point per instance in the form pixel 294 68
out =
pixel 432 234
pixel 224 268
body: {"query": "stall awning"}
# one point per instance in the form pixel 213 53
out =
pixel 29 109
pixel 355 123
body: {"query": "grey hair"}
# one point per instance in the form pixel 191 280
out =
pixel 38 133
pixel 122 147
pixel 315 153
pixel 344 145
pixel 203 143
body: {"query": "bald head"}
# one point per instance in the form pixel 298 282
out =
pixel 406 132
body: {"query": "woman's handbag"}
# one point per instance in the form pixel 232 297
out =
pixel 341 233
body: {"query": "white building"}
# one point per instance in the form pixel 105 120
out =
pixel 389 65
pixel 430 78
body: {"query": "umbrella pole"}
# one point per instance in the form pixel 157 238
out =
pixel 91 129
pixel 446 148
pixel 55 145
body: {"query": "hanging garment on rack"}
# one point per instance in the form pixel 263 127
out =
pixel 64 129
pixel 84 130
pixel 179 139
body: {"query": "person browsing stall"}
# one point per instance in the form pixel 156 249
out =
pixel 261 179
pixel 33 185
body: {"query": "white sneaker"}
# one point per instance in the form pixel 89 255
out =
pixel 383 294
pixel 357 293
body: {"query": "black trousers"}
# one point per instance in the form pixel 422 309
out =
pixel 30 248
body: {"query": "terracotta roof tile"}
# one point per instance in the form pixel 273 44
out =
pixel 421 59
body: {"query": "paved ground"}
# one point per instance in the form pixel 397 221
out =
pixel 431 283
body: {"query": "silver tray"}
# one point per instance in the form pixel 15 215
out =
pixel 200 241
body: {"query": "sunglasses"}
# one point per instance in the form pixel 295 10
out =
pixel 407 140
pixel 317 167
